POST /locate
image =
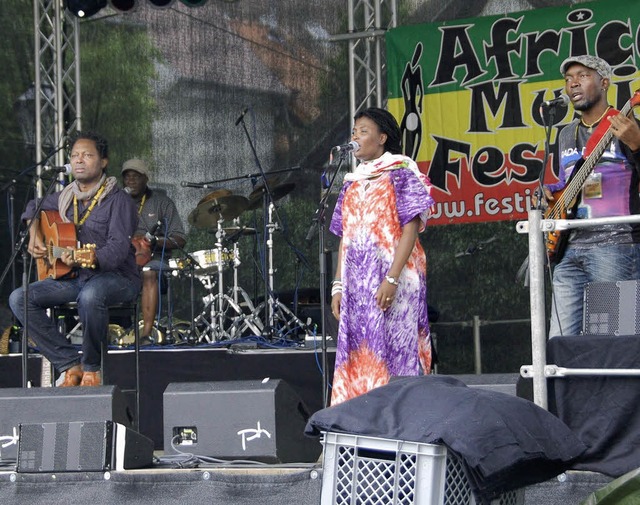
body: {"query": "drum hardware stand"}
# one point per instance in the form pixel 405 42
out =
pixel 246 321
pixel 192 263
pixel 273 307
pixel 221 303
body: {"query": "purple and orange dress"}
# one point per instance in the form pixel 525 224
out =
pixel 374 204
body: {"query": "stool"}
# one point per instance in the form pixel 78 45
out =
pixel 117 310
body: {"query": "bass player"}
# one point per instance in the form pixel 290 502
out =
pixel 104 217
pixel 609 252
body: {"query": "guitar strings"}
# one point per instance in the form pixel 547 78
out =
pixel 600 146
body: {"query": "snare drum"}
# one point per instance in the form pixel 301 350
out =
pixel 207 259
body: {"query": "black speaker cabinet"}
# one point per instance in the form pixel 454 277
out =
pixel 612 308
pixel 79 446
pixel 53 405
pixel 256 420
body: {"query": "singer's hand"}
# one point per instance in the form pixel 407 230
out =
pixel 335 305
pixel 385 295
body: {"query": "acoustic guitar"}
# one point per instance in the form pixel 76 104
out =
pixel 566 200
pixel 58 238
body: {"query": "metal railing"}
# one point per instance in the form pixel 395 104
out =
pixel 539 371
pixel 475 323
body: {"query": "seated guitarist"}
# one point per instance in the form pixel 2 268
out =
pixel 606 253
pixel 159 230
pixel 105 216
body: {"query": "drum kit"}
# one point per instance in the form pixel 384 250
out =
pixel 229 313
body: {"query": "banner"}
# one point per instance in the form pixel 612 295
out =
pixel 468 96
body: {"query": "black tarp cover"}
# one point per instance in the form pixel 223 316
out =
pixel 506 442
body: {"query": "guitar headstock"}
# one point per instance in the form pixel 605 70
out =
pixel 86 256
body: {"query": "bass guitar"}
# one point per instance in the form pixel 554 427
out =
pixel 566 200
pixel 58 238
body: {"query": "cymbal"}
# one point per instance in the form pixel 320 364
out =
pixel 255 198
pixel 215 194
pixel 225 208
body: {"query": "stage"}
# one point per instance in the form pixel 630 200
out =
pixel 160 366
pixel 271 485
pixel 166 482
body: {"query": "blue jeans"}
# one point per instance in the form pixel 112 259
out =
pixel 93 297
pixel 578 267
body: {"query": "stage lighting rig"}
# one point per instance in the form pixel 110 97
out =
pixel 123 5
pixel 131 5
pixel 85 8
pixel 161 4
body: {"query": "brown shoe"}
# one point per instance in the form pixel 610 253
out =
pixel 91 379
pixel 72 377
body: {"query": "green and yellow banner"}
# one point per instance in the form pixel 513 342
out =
pixel 468 95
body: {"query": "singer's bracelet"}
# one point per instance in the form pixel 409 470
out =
pixel 336 290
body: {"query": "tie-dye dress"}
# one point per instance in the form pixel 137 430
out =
pixel 374 345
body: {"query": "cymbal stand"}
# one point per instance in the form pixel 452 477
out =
pixel 274 309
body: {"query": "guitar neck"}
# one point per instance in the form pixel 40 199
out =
pixel 56 251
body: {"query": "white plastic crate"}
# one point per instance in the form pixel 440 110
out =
pixel 361 470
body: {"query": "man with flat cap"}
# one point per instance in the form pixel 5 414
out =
pixel 606 253
pixel 159 231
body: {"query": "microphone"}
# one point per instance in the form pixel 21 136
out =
pixel 186 184
pixel 561 100
pixel 150 236
pixel 347 148
pixel 241 116
pixel 127 190
pixel 66 170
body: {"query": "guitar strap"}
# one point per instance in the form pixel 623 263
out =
pixel 87 212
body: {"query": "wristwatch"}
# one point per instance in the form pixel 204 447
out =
pixel 391 280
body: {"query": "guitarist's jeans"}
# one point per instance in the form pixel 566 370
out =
pixel 93 295
pixel 578 267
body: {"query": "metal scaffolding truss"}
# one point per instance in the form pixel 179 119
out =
pixel 369 20
pixel 57 79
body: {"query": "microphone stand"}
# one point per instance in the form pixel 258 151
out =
pixel 319 221
pixel 25 281
pixel 20 247
pixel 551 113
pixel 10 186
pixel 212 184
pixel 523 271
pixel 268 207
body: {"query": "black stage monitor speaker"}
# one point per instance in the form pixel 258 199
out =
pixel 94 446
pixel 256 420
pixel 612 308
pixel 53 405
